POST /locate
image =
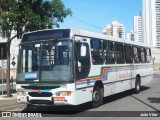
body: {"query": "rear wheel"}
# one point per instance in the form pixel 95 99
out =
pixel 137 85
pixel 97 97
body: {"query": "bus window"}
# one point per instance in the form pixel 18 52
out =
pixel 128 54
pixel 48 53
pixel 105 49
pixel 109 56
pixel 96 51
pixel 119 50
pixel 135 54
pixel 148 55
pixel 30 60
pixel 82 63
pixel 142 53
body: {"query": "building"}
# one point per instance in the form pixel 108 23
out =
pixel 115 29
pixel 130 36
pixel 13 51
pixel 149 22
pixel 138 29
pixel 157 9
pixel 151 27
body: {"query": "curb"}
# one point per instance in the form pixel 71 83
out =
pixel 4 97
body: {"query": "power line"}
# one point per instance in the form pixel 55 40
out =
pixel 85 22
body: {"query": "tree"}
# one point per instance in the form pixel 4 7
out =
pixel 29 15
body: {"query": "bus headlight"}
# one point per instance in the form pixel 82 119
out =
pixel 58 93
pixel 63 93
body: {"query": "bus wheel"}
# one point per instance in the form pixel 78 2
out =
pixel 137 85
pixel 96 97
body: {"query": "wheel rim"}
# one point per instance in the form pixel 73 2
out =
pixel 96 96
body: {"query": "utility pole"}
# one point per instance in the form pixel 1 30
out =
pixel 8 70
pixel 2 68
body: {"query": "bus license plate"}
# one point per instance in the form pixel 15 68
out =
pixel 59 99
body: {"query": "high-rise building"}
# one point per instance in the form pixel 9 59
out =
pixel 115 29
pixel 157 7
pixel 130 36
pixel 149 22
pixel 137 29
pixel 151 26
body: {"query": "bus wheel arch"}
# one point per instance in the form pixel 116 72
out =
pixel 98 94
pixel 137 84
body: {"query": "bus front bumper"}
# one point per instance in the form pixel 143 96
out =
pixel 44 101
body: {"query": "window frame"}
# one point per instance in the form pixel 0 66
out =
pixel 128 54
pixel 119 53
pixel 97 51
pixel 109 54
pixel 79 73
pixel 143 56
pixel 136 56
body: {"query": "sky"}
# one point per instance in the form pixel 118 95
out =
pixel 94 15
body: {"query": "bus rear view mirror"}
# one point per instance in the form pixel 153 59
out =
pixel 83 51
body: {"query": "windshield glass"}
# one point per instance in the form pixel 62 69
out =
pixel 45 61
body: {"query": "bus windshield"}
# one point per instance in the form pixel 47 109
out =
pixel 45 61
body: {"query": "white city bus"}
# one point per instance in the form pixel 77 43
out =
pixel 71 67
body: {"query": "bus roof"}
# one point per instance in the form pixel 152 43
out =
pixel 107 37
pixel 89 34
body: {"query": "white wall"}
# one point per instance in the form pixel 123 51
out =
pixel 13 51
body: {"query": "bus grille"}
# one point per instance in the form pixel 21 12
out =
pixel 43 94
pixel 41 102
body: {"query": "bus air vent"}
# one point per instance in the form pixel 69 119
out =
pixel 43 94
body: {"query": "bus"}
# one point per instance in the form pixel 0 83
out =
pixel 72 67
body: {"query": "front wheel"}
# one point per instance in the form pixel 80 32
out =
pixel 97 97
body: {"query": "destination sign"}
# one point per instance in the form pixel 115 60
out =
pixel 46 34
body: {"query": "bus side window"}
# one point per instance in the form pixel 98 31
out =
pixel 142 53
pixel 148 55
pixel 128 54
pixel 82 63
pixel 135 54
pixel 110 52
pixel 96 51
pixel 119 50
pixel 105 51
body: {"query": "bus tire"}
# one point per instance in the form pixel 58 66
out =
pixel 102 95
pixel 137 85
pixel 97 97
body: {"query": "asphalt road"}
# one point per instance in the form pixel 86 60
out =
pixel 146 103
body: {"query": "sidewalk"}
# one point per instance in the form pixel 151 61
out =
pixel 3 91
pixel 156 72
pixel 5 83
pixel 4 97
pixel 10 103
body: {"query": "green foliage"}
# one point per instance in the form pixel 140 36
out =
pixel 28 15
pixel 31 15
